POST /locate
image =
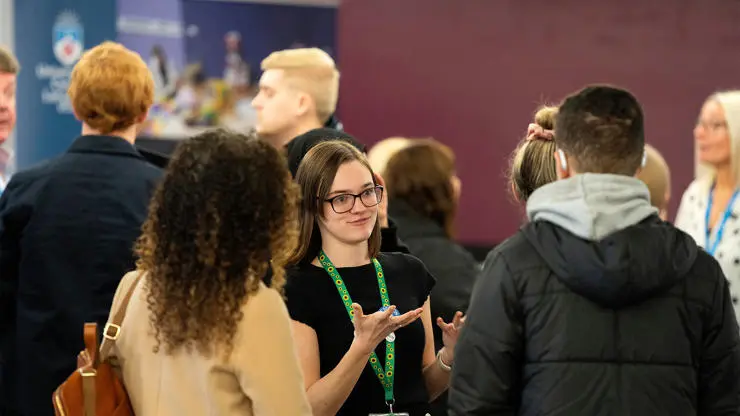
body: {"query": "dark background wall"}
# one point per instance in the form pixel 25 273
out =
pixel 471 73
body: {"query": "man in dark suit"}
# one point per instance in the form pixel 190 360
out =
pixel 67 230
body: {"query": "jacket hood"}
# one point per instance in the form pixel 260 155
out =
pixel 603 240
pixel 592 206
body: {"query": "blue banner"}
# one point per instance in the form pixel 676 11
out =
pixel 50 36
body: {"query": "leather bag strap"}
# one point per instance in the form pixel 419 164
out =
pixel 113 327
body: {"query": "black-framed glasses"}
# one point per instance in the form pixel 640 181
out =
pixel 345 202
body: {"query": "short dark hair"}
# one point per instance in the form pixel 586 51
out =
pixel 602 129
pixel 297 148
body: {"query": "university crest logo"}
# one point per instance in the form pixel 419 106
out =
pixel 68 38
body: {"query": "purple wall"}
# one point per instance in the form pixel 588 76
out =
pixel 145 23
pixel 471 73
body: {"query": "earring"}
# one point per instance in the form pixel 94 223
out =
pixel 644 159
pixel 563 162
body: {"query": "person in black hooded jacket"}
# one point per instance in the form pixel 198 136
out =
pixel 597 307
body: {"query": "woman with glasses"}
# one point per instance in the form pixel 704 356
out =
pixel 361 318
pixel 710 207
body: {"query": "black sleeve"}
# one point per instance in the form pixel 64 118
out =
pixel 389 241
pixel 13 218
pixel 719 383
pixel 298 299
pixel 425 280
pixel 488 355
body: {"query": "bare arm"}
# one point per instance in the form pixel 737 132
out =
pixel 327 395
pixel 437 380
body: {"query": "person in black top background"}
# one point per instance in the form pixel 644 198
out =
pixel 425 191
pixel 67 230
pixel 597 307
pixel 339 233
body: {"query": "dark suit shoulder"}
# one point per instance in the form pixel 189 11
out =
pixel 150 170
pixel 36 171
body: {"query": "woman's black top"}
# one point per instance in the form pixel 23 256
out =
pixel 313 299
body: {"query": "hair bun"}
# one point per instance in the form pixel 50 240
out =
pixel 545 117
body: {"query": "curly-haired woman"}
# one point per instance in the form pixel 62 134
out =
pixel 202 333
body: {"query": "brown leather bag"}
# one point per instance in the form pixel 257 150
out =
pixel 94 389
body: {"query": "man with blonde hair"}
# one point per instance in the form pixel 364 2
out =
pixel 657 177
pixel 9 69
pixel 298 92
pixel 68 227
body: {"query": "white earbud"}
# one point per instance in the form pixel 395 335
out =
pixel 644 158
pixel 563 162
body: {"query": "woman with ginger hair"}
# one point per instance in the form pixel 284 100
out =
pixel 68 226
pixel 202 333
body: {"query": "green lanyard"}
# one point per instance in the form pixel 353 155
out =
pixel 385 377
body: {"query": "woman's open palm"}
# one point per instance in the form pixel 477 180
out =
pixel 371 329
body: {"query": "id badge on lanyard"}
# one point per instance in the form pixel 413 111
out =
pixel 385 374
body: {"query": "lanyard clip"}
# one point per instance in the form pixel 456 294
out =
pixel 390 404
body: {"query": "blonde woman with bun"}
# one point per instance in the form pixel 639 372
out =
pixel 68 229
pixel 533 165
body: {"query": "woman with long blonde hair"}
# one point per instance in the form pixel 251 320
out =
pixel 710 205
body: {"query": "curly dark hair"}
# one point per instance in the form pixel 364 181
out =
pixel 226 206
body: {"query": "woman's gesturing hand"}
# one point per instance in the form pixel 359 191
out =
pixel 371 329
pixel 450 333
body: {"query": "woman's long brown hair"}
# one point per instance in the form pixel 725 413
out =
pixel 315 177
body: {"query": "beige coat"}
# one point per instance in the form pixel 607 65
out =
pixel 262 376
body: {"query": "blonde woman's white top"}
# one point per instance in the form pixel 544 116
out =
pixel 691 219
